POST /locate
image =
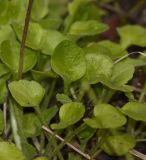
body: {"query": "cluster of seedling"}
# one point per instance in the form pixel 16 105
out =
pixel 47 85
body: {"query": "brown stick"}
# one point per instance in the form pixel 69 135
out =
pixel 26 25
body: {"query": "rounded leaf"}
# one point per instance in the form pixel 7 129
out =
pixel 9 55
pixel 132 35
pixel 10 151
pixel 69 114
pixel 97 65
pixel 34 36
pixel 51 38
pixel 118 144
pixel 68 61
pixel 122 73
pixel 27 93
pixel 106 116
pixel 135 110
pixel 40 9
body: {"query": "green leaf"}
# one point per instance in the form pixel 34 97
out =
pixel 73 156
pixel 85 133
pixel 31 125
pixel 68 61
pixel 3 6
pixel 27 93
pixel 57 8
pixel 63 98
pixel 3 88
pixel 118 145
pixel 30 151
pixel 135 110
pixel 8 15
pixel 122 73
pixel 51 22
pixel 6 33
pixel 48 114
pixel 10 151
pixel 97 65
pixel 41 158
pixel 51 39
pixel 116 50
pixel 9 55
pixel 3 69
pixel 106 116
pixel 87 28
pixel 40 9
pixel 132 35
pixel 34 36
pixel 69 114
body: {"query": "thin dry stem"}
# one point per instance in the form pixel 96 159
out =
pixel 138 154
pixel 67 143
pixel 25 30
pixel 126 56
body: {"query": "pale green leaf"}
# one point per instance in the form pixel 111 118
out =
pixel 132 35
pixel 6 33
pixel 50 40
pixel 63 98
pixel 34 36
pixel 10 151
pixel 106 116
pixel 116 50
pixel 40 9
pixel 87 28
pixel 27 93
pixel 9 55
pixel 135 110
pixel 69 114
pixel 122 73
pixel 97 65
pixel 68 61
pixel 118 145
pixel 31 125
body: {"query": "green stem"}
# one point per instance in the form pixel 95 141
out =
pixel 66 87
pixel 49 95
